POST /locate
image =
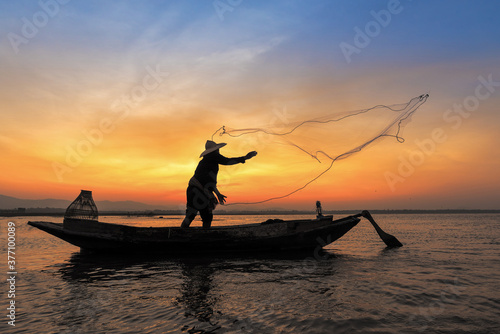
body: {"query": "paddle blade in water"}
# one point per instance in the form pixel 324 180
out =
pixel 388 239
pixel 392 241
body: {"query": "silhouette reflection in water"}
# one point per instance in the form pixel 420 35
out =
pixel 150 294
pixel 101 286
pixel 196 297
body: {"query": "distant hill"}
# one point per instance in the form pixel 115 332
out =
pixel 128 206
pixel 8 203
pixel 11 203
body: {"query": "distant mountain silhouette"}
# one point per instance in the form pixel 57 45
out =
pixel 10 203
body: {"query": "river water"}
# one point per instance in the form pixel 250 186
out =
pixel 444 280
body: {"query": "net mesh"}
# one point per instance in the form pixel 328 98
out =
pixel 297 154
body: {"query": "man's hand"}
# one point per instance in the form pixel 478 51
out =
pixel 221 198
pixel 250 155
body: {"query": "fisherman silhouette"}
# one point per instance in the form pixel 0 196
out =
pixel 203 185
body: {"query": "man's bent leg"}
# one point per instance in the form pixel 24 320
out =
pixel 190 207
pixel 190 215
pixel 206 217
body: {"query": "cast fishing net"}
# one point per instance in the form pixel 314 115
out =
pixel 294 155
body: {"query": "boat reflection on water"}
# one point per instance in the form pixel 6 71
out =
pixel 194 295
pixel 103 289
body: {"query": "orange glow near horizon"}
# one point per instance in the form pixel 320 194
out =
pixel 152 161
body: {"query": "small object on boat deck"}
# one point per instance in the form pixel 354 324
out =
pixel 319 211
pixel 82 208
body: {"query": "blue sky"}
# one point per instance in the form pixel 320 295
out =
pixel 441 29
pixel 422 32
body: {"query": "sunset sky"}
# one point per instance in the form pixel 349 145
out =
pixel 119 97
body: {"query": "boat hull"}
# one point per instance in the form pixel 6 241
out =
pixel 270 236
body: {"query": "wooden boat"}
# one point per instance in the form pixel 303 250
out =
pixel 268 236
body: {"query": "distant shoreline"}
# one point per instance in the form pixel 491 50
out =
pixel 60 213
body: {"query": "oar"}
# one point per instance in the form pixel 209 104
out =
pixel 389 240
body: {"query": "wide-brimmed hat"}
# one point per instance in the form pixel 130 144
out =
pixel 211 146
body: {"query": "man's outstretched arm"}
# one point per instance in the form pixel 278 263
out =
pixel 233 161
